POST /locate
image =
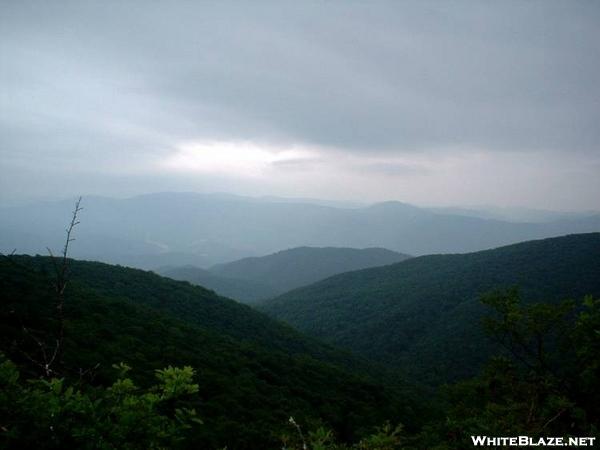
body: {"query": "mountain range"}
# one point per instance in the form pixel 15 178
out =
pixel 424 315
pixel 372 344
pixel 175 229
pixel 255 278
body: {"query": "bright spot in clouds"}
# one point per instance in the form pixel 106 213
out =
pixel 240 158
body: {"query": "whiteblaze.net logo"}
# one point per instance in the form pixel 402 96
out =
pixel 526 441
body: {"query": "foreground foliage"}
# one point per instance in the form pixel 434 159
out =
pixel 52 413
pixel 546 383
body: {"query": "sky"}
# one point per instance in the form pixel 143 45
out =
pixel 432 103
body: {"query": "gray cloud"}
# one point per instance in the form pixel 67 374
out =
pixel 117 85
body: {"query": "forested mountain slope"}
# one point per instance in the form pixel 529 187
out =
pixel 424 314
pixel 289 269
pixel 246 291
pixel 194 305
pixel 253 373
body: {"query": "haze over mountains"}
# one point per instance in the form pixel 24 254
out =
pixel 254 278
pixel 174 229
pixel 243 290
pixel 514 214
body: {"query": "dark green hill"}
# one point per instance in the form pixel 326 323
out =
pixel 423 314
pixel 253 372
pixel 290 269
pixel 247 291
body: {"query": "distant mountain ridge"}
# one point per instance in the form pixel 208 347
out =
pixel 292 268
pixel 423 314
pixel 515 215
pixel 155 230
pixel 259 278
pixel 247 291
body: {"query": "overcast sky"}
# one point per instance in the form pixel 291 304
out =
pixel 437 103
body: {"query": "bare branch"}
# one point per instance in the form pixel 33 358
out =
pixel 47 356
pixel 61 270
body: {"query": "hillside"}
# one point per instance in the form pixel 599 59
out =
pixel 247 291
pixel 253 372
pixel 289 269
pixel 147 231
pixel 424 314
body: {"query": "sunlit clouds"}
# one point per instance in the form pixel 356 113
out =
pixel 236 159
pixel 431 103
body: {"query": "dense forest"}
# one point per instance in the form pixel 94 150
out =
pixel 253 372
pixel 148 362
pixel 102 356
pixel 423 315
